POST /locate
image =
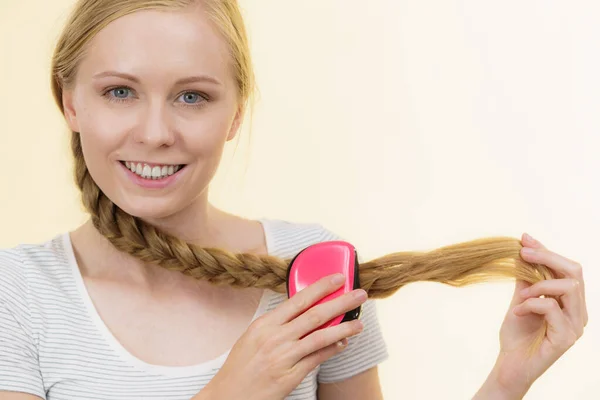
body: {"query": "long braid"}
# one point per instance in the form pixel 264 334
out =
pixel 461 264
pixel 458 265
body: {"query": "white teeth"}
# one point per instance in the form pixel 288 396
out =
pixel 148 172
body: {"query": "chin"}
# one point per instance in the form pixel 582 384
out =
pixel 149 208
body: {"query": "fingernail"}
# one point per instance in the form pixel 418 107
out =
pixel 360 325
pixel 360 294
pixel 342 343
pixel 529 238
pixel 337 279
pixel 528 250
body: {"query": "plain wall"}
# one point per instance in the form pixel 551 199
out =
pixel 401 125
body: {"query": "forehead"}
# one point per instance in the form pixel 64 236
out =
pixel 159 44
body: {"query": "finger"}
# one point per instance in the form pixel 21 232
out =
pixel 309 363
pixel 568 291
pixel 323 338
pixel 324 312
pixel 562 265
pixel 314 359
pixel 527 240
pixel 577 271
pixel 304 299
pixel 560 333
pixel 556 262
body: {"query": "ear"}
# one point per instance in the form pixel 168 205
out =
pixel 69 107
pixel 237 122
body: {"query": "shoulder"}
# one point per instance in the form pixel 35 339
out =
pixel 12 274
pixel 27 264
pixel 286 238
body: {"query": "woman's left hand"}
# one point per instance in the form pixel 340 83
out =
pixel 515 370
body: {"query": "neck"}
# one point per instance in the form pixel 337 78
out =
pixel 201 224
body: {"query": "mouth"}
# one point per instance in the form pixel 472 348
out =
pixel 152 171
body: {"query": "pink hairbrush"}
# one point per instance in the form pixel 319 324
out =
pixel 320 260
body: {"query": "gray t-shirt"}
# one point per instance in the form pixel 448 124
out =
pixel 53 343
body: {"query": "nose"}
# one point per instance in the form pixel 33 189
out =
pixel 155 128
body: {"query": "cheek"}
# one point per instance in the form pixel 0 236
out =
pixel 103 131
pixel 101 134
pixel 206 137
pixel 95 150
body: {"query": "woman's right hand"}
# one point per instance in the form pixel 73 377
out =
pixel 275 353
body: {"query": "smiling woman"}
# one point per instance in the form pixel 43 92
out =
pixel 152 90
pixel 162 295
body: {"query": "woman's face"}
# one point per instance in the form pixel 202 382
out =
pixel 154 101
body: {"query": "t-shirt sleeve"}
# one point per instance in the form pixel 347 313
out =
pixel 19 366
pixel 365 350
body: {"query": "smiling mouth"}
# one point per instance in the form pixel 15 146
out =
pixel 152 171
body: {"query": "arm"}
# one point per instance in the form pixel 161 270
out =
pixel 362 386
pixel 490 392
pixel 19 371
pixel 17 396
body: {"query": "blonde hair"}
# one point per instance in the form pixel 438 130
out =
pixel 460 264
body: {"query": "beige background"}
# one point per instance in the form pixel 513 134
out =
pixel 402 125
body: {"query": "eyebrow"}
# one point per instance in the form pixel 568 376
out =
pixel 183 81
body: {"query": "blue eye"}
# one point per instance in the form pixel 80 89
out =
pixel 194 99
pixel 191 98
pixel 120 93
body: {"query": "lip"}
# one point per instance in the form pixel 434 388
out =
pixel 152 183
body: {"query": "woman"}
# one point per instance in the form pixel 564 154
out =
pixel 152 90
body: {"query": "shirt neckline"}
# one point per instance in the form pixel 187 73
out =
pixel 117 347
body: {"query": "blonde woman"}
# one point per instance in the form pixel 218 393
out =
pixel 163 296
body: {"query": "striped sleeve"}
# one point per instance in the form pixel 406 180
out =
pixel 365 350
pixel 19 367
